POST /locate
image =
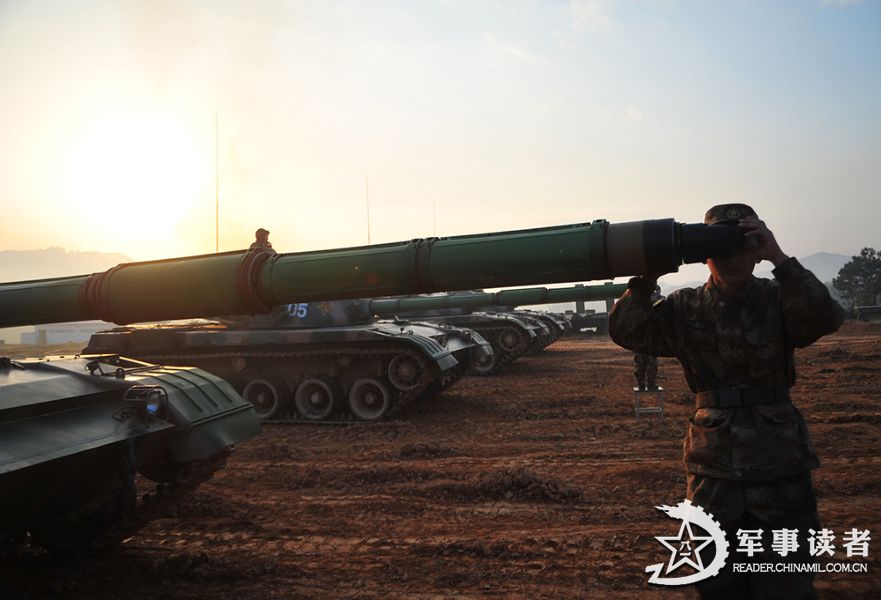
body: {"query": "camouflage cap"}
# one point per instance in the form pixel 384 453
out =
pixel 726 214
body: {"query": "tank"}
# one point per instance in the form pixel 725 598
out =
pixel 557 326
pixel 77 430
pixel 510 336
pixel 320 361
pixel 547 332
pixel 590 321
pixel 564 325
pixel 512 333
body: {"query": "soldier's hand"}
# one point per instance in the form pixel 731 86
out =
pixel 644 284
pixel 761 241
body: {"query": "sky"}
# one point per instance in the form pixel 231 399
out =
pixel 447 117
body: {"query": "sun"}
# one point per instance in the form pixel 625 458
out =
pixel 137 176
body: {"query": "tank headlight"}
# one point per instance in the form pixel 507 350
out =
pixel 147 400
pixel 154 404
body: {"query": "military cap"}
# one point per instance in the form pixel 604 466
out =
pixel 728 214
pixel 261 231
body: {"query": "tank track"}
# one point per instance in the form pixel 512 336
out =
pixel 429 385
pixel 156 503
pixel 543 343
pixel 505 357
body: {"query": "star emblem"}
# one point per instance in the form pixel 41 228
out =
pixel 685 548
pixel 732 213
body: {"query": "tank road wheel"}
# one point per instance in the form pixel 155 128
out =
pixel 483 363
pixel 316 399
pixel 267 395
pixel 405 372
pixel 510 339
pixel 369 399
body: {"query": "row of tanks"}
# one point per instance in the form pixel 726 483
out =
pixel 511 332
pixel 76 431
pixel 334 361
pixel 320 361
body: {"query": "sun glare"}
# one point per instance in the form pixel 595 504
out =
pixel 134 175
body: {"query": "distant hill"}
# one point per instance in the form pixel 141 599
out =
pixel 17 265
pixel 825 265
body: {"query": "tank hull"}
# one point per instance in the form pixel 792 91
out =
pixel 310 374
pixel 509 336
pixel 76 430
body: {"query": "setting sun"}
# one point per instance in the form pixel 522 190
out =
pixel 135 169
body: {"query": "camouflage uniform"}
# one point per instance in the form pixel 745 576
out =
pixel 645 366
pixel 749 465
pixel 645 370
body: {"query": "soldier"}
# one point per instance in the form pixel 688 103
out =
pixel 645 370
pixel 747 452
pixel 645 366
pixel 262 241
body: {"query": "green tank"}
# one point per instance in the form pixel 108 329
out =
pixel 555 325
pixel 76 430
pixel 319 361
pixel 590 321
pixel 579 294
pixel 556 322
pixel 512 333
pixel 547 332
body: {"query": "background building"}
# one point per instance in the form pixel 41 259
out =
pixel 63 333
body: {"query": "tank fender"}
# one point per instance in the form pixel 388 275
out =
pixel 207 413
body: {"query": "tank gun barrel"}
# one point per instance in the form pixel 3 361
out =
pixel 249 282
pixel 384 307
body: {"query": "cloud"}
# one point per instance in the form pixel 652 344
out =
pixel 516 53
pixel 590 15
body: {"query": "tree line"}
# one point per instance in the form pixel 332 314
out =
pixel 859 280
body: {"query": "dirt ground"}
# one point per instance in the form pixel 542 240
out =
pixel 538 483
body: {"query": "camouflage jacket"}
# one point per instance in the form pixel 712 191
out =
pixel 746 340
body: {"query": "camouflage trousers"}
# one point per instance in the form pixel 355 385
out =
pixel 645 369
pixel 767 505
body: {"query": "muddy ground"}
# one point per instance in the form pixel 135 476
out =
pixel 538 483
